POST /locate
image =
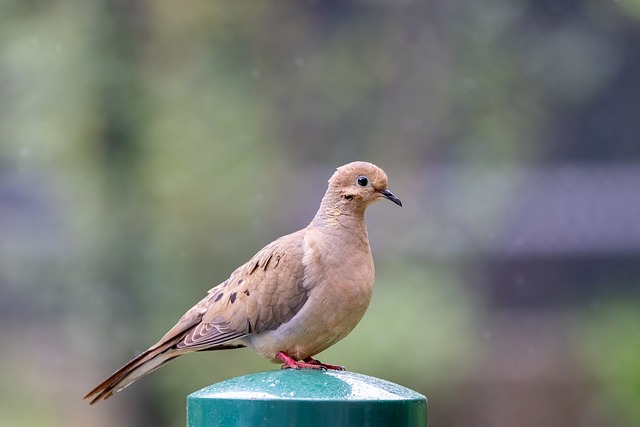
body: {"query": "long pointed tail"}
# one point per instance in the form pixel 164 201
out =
pixel 141 365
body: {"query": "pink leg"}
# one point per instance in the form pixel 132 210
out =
pixel 308 363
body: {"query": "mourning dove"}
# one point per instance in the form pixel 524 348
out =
pixel 296 297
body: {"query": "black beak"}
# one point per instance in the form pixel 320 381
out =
pixel 390 196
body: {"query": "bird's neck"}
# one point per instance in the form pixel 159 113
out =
pixel 337 215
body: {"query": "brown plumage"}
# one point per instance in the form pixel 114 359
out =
pixel 296 297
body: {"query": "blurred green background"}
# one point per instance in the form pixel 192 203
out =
pixel 147 148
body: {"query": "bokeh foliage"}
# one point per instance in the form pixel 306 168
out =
pixel 148 148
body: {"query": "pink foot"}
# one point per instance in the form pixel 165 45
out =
pixel 312 361
pixel 308 363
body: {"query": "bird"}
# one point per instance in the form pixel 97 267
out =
pixel 296 297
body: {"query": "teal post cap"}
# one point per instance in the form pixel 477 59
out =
pixel 305 398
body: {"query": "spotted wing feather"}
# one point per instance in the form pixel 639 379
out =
pixel 260 295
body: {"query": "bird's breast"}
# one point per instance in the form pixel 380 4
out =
pixel 340 289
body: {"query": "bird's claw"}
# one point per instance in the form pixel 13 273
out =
pixel 308 363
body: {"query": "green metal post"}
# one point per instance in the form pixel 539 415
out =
pixel 306 398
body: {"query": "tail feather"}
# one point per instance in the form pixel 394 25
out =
pixel 143 364
pixel 159 354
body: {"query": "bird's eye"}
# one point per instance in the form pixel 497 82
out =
pixel 362 181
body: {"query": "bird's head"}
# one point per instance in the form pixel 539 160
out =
pixel 360 184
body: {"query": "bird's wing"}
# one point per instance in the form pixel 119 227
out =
pixel 262 294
